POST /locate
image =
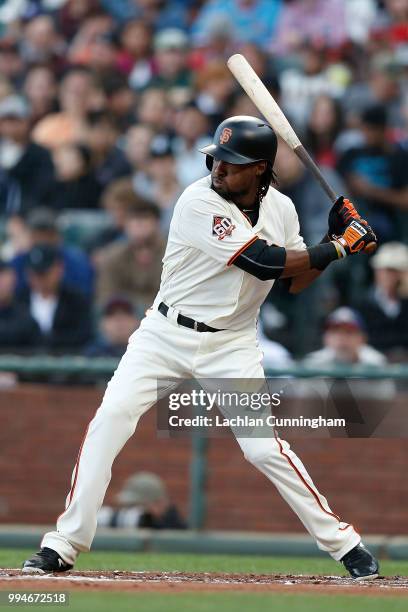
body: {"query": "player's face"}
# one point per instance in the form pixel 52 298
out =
pixel 237 182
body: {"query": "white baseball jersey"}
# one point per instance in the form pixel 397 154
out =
pixel 207 233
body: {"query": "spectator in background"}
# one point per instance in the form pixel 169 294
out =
pixel 391 28
pixel 108 160
pixel 40 228
pixel 154 110
pixel 40 88
pixel 135 57
pixel 322 129
pixel 214 86
pixel 117 199
pixel 132 267
pixel 313 20
pixel 301 85
pixel 26 168
pixel 159 183
pixel 159 14
pixel 76 185
pixel 191 127
pixel 344 342
pixel 42 43
pixel 143 502
pixel 63 316
pixel 385 308
pixel 11 62
pixel 250 20
pixel 171 71
pixel 102 55
pixel 376 175
pixel 76 99
pixel 18 329
pixel 120 101
pixel 17 238
pixel 117 323
pixel 381 87
pixel 137 146
pixel 95 24
pixel 298 184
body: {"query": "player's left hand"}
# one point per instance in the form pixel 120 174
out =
pixel 341 214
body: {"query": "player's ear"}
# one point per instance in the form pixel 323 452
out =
pixel 260 168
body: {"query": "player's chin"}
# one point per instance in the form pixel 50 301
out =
pixel 219 187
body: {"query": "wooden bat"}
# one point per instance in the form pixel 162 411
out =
pixel 264 101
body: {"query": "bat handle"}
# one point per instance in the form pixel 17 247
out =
pixel 312 166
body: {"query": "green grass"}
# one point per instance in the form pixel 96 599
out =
pixel 99 560
pixel 215 602
pixel 226 602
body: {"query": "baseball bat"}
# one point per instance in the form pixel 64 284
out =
pixel 264 101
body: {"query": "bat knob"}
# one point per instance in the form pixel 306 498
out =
pixel 370 248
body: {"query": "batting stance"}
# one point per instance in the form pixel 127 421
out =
pixel 232 234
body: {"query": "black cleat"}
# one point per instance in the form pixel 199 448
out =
pixel 44 562
pixel 361 564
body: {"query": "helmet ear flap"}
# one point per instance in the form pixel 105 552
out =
pixel 209 160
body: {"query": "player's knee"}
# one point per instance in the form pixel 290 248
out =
pixel 259 452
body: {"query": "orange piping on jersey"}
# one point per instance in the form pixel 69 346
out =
pixel 71 492
pixel 246 245
pixel 289 460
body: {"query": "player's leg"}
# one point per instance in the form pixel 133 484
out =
pixel 131 392
pixel 238 357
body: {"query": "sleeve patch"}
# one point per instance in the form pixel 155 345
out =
pixel 222 226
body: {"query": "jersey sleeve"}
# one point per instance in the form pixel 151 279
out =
pixel 208 226
pixel 293 239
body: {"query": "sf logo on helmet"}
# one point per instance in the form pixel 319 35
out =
pixel 225 135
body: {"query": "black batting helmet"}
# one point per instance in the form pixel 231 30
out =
pixel 242 140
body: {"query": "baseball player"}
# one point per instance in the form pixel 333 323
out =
pixel 231 236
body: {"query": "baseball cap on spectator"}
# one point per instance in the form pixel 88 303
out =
pixel 161 146
pixel 345 318
pixel 375 116
pixel 117 304
pixel 171 39
pixel 14 106
pixel 392 255
pixel 42 257
pixel 42 219
pixel 142 489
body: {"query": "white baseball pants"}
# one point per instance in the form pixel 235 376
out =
pixel 161 349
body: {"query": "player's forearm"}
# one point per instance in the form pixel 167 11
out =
pixel 315 258
pixel 302 281
pixel 272 262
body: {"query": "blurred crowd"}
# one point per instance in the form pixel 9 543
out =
pixel 103 107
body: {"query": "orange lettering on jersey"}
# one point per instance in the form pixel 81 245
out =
pixel 225 135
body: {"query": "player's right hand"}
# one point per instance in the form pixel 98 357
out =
pixel 356 237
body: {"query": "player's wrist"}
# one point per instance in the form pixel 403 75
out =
pixel 323 254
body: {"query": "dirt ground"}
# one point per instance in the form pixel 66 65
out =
pixel 172 582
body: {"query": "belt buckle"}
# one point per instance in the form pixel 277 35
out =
pixel 195 325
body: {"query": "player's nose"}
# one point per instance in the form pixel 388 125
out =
pixel 220 167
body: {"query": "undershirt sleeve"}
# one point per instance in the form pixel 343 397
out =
pixel 263 261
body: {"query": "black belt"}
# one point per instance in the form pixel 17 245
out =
pixel 186 321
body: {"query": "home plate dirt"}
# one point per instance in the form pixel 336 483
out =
pixel 187 582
